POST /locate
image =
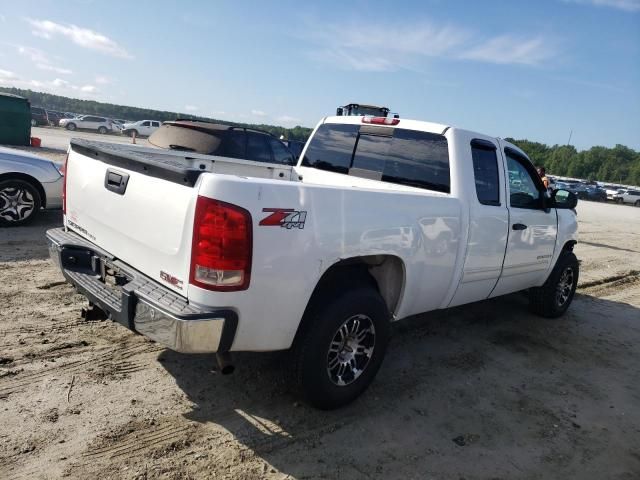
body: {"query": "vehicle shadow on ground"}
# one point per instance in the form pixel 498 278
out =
pixel 28 242
pixel 486 388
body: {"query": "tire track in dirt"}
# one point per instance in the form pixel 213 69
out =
pixel 620 287
pixel 36 328
pixel 136 441
pixel 108 359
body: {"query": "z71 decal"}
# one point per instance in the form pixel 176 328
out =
pixel 284 217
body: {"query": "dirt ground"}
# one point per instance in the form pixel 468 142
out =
pixel 485 391
pixel 58 138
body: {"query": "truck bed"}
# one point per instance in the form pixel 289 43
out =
pixel 174 166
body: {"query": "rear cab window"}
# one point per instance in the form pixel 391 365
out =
pixel 393 155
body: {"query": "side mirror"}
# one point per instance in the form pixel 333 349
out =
pixel 564 199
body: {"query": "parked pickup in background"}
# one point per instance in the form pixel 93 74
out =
pixel 141 128
pixel 380 219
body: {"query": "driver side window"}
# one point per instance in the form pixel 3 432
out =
pixel 523 190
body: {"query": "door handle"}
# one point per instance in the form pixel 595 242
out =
pixel 519 226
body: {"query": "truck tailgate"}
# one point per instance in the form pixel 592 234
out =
pixel 125 208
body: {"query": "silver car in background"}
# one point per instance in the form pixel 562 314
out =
pixel 27 184
pixel 88 122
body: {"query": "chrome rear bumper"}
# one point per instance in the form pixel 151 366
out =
pixel 138 302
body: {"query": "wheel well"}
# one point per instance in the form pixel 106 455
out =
pixel 568 247
pixel 27 178
pixel 383 272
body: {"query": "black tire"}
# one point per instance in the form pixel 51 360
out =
pixel 552 299
pixel 71 126
pixel 20 202
pixel 102 130
pixel 618 200
pixel 637 204
pixel 313 354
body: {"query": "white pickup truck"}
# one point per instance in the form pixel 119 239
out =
pixel 380 219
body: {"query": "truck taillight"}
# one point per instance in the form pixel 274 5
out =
pixel 222 245
pixel 380 120
pixel 64 184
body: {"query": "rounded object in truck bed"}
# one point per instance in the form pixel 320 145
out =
pixel 197 137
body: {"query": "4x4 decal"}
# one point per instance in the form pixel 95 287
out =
pixel 284 217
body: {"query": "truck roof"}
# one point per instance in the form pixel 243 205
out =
pixel 403 123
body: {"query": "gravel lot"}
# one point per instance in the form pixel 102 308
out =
pixel 58 138
pixel 486 391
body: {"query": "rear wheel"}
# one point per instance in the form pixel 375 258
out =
pixel 553 298
pixel 19 202
pixel 102 130
pixel 341 347
pixel 71 126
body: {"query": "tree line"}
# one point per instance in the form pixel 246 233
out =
pixel 620 164
pixel 91 107
pixel 615 165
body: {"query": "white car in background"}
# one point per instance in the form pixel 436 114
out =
pixel 88 122
pixel 140 128
pixel 613 193
pixel 629 196
pixel 27 184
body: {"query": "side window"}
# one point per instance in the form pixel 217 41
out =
pixel 485 170
pixel 145 124
pixel 280 153
pixel 331 148
pixel 155 124
pixel 234 144
pixel 523 189
pixel 99 119
pixel 257 147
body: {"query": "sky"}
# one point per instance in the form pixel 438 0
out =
pixel 509 68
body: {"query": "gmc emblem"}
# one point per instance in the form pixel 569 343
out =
pixel 171 280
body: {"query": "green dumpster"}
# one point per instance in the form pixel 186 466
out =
pixel 15 120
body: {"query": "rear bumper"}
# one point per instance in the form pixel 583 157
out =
pixel 137 301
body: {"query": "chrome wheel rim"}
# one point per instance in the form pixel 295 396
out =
pixel 565 286
pixel 350 350
pixel 16 204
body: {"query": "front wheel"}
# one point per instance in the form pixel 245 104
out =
pixel 553 298
pixel 102 130
pixel 71 126
pixel 19 202
pixel 133 133
pixel 341 347
pixel 637 204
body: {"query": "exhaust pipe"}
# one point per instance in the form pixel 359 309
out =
pixel 225 365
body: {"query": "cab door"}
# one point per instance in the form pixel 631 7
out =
pixel 145 128
pixel 532 227
pixel 488 224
